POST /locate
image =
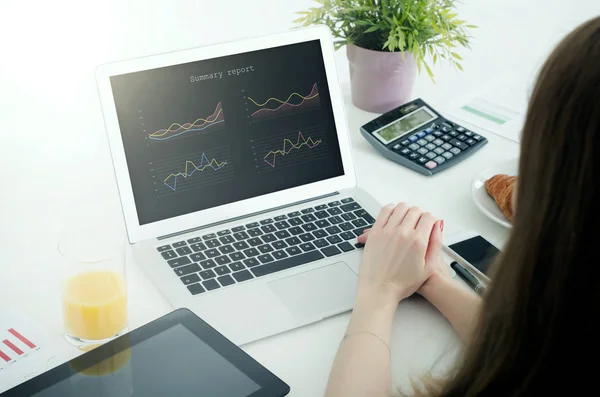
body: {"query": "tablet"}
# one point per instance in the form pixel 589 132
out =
pixel 175 355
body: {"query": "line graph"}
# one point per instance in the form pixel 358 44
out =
pixel 271 157
pixel 274 107
pixel 171 180
pixel 289 149
pixel 217 118
pixel 191 171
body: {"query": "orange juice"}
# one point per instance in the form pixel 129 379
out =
pixel 95 305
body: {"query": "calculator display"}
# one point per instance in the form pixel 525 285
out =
pixel 405 125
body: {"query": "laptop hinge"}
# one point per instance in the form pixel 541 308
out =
pixel 245 216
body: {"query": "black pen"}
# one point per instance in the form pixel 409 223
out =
pixel 468 277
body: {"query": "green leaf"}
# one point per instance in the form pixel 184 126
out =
pixel 455 55
pixel 372 29
pixel 472 26
pixel 386 44
pixel 429 72
pixel 403 18
pixel 459 67
pixel 434 58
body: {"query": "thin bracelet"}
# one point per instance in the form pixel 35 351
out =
pixel 368 333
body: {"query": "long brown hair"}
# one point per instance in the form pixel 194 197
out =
pixel 540 319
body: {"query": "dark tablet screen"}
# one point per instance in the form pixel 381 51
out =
pixel 191 367
pixel 176 355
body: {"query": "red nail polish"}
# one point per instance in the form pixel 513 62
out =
pixel 442 225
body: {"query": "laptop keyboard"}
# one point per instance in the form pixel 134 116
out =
pixel 271 245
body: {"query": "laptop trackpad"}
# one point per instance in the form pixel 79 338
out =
pixel 318 293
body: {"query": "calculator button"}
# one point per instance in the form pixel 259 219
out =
pixel 413 146
pixel 462 137
pixel 438 133
pixel 439 159
pixel 430 146
pixel 447 155
pixel 459 144
pixel 431 155
pixel 460 129
pixel 453 133
pixel 439 150
pixel 455 150
pixel 449 124
pixel 467 132
pixel 477 137
pixel 413 138
pixel 414 156
pixel 405 151
pixel 421 134
pixel 405 142
pixel 422 150
pixel 429 138
pixel 423 160
pixel 471 141
pixel 396 147
pixel 446 128
pixel 431 165
pixel 447 146
pixel 446 137
pixel 422 142
pixel 438 142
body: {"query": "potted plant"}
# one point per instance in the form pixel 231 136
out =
pixel 388 42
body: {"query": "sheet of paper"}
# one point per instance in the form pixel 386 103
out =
pixel 25 350
pixel 498 107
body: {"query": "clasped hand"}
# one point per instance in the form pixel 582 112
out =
pixel 402 251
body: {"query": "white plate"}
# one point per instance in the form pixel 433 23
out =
pixel 483 200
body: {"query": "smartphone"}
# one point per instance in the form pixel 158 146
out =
pixel 474 249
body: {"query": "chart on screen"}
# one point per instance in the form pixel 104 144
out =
pixel 261 109
pixel 177 130
pixel 294 148
pixel 198 171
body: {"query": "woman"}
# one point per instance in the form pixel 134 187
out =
pixel 539 320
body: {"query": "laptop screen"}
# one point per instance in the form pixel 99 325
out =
pixel 216 131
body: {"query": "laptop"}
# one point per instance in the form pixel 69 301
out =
pixel 234 169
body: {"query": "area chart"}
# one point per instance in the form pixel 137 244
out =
pixel 280 107
pixel 215 121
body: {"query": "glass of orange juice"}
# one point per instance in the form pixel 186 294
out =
pixel 94 287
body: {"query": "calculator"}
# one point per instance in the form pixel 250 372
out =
pixel 418 137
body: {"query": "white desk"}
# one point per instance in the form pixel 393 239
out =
pixel 56 167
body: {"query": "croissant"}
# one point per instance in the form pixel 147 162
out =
pixel 500 187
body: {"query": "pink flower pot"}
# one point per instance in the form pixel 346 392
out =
pixel 380 80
